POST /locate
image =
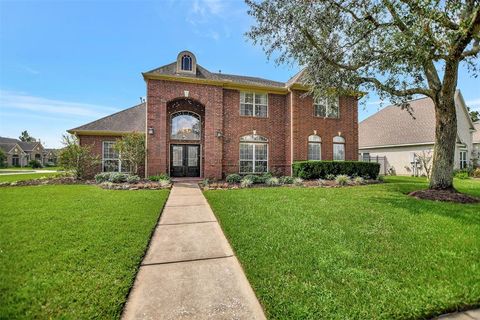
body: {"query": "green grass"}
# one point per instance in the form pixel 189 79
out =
pixel 367 252
pixel 25 176
pixel 71 252
pixel 3 170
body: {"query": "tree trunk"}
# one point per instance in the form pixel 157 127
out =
pixel 445 131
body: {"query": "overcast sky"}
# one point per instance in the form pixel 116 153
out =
pixel 66 63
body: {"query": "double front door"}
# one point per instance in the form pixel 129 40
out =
pixel 185 160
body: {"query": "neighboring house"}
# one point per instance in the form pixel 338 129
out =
pixel 19 153
pixel 398 138
pixel 204 124
pixel 476 144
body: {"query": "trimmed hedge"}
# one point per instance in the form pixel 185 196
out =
pixel 320 169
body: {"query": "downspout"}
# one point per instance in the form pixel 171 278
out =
pixel 291 131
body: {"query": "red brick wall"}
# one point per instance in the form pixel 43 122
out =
pixel 304 123
pixel 236 126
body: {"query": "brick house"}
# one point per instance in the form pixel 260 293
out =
pixel 203 124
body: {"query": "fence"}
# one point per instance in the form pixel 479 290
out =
pixel 378 159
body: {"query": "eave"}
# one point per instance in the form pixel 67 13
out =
pixel 99 132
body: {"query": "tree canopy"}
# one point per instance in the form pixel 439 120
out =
pixel 25 137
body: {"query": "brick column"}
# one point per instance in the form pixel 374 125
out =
pixel 157 152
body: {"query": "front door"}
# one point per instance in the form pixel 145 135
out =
pixel 185 160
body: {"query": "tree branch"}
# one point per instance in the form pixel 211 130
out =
pixel 437 16
pixel 473 51
pixel 401 93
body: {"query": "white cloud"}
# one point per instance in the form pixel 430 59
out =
pixel 18 100
pixel 29 70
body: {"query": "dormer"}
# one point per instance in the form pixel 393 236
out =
pixel 186 63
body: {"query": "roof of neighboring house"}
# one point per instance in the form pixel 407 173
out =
pixel 6 147
pixel 202 73
pixel 10 142
pixel 476 134
pixel 393 126
pixel 128 120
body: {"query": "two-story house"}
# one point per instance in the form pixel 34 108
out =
pixel 203 124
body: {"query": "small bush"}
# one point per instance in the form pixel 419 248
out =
pixel 254 178
pixel 133 179
pixel 321 169
pixel 102 177
pixel 164 182
pixel 34 164
pixel 330 177
pixel 342 179
pixel 272 182
pixel 461 175
pixel 381 178
pixel 233 178
pixel 118 177
pixel 287 180
pixel 159 177
pixel 246 182
pixel 206 182
pixel 298 181
pixel 264 177
pixel 476 173
pixel 358 180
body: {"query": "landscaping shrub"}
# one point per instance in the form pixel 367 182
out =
pixel 34 164
pixel 102 177
pixel 476 173
pixel 342 179
pixel 206 182
pixel 159 177
pixel 358 180
pixel 330 177
pixel 287 180
pixel 133 178
pixel 234 178
pixel 461 175
pixel 321 169
pixel 118 177
pixel 252 177
pixel 298 182
pixel 272 182
pixel 246 182
pixel 164 182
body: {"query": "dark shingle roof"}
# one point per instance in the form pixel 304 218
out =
pixel 128 120
pixel 202 73
pixel 7 146
pixel 26 146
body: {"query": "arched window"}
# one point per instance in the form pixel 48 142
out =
pixel 185 125
pixel 338 148
pixel 314 147
pixel 186 63
pixel 253 154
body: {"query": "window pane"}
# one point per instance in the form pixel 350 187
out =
pixel 314 151
pixel 338 151
pixel 260 151
pixel 246 97
pixel 109 151
pixel 260 166
pixel 177 156
pixel 111 165
pixel 261 111
pixel 246 151
pixel 192 156
pixel 246 109
pixel 320 110
pixel 246 166
pixel 185 126
pixel 261 98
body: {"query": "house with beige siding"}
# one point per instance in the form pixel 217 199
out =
pixel 399 138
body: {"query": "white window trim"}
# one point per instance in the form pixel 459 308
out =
pixel 253 157
pixel 463 161
pixel 109 159
pixel 242 93
pixel 328 106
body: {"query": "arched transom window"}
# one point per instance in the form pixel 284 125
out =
pixel 186 62
pixel 185 125
pixel 338 148
pixel 314 147
pixel 253 154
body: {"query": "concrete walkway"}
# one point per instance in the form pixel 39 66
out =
pixel 466 315
pixel 190 271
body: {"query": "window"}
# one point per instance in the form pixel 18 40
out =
pixel 15 160
pixel 187 63
pixel 314 147
pixel 463 159
pixel 253 154
pixel 185 126
pixel 110 160
pixel 338 148
pixel 366 156
pixel 254 104
pixel 327 107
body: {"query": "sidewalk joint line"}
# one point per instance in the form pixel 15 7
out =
pixel 180 223
pixel 180 261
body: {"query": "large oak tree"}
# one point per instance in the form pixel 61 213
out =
pixel 398 48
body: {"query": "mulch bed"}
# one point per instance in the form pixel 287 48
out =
pixel 444 195
pixel 223 185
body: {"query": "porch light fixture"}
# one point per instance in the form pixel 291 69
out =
pixel 254 132
pixel 339 133
pixel 151 130
pixel 315 132
pixel 185 93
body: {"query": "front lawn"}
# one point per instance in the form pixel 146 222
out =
pixel 367 252
pixel 25 176
pixel 72 251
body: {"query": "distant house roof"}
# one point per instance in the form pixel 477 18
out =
pixel 7 146
pixel 476 134
pixel 393 126
pixel 128 120
pixel 202 73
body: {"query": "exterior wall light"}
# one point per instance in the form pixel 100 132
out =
pixel 151 130
pixel 219 134
pixel 186 93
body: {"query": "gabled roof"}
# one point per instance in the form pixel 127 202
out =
pixel 7 147
pixel 128 120
pixel 393 126
pixel 476 134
